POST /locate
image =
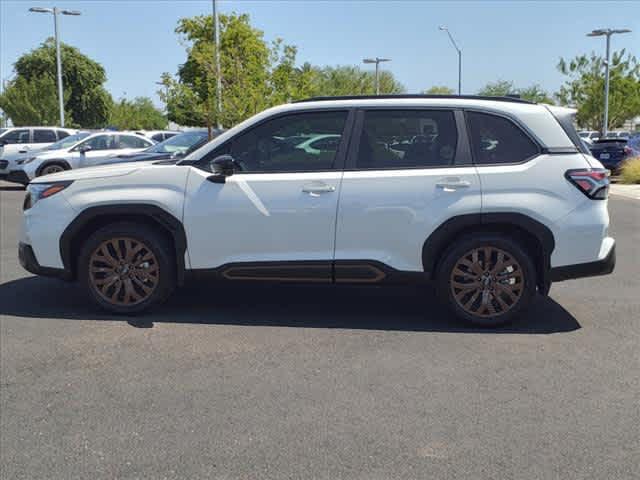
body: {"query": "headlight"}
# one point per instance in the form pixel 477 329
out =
pixel 40 191
pixel 26 160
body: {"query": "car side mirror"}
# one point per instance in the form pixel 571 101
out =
pixel 84 149
pixel 222 167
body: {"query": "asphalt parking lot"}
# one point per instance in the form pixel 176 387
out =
pixel 324 383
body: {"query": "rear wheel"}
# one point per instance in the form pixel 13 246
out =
pixel 127 268
pixel 486 279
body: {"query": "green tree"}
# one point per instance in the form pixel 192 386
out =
pixel 502 88
pixel 351 80
pixel 86 103
pixel 439 90
pixel 137 114
pixel 584 88
pixel 31 102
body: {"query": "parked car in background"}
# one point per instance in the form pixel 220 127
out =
pixel 157 135
pixel 93 150
pixel 175 147
pixel 611 152
pixel 16 140
pixel 492 201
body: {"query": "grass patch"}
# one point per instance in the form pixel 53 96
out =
pixel 630 172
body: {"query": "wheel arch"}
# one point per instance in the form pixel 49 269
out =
pixel 534 236
pixel 56 161
pixel 93 218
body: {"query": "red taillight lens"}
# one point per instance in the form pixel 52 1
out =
pixel 627 150
pixel 593 182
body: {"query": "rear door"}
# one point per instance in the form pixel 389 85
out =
pixel 408 171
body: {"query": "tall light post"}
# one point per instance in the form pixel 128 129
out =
pixel 55 11
pixel 455 45
pixel 218 73
pixel 602 32
pixel 377 61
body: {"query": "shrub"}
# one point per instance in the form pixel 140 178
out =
pixel 630 172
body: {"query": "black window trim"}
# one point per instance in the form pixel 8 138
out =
pixel 516 123
pixel 462 156
pixel 341 153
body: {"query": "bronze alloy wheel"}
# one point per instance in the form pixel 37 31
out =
pixel 124 271
pixel 487 282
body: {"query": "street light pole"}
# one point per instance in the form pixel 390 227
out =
pixel 599 33
pixel 218 77
pixel 455 45
pixel 55 11
pixel 377 61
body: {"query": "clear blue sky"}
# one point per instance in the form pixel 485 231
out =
pixel 519 41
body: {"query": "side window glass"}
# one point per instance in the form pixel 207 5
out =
pixel 286 144
pixel 62 134
pixel 17 136
pixel 44 136
pixel 101 142
pixel 407 139
pixel 496 140
pixel 158 137
pixel 129 141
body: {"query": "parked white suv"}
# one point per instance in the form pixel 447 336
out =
pixel 490 199
pixel 16 141
pixel 89 151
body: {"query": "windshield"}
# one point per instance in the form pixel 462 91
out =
pixel 2 130
pixel 69 141
pixel 180 143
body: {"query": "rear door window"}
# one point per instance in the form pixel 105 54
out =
pixel 44 136
pixel 395 139
pixel 496 140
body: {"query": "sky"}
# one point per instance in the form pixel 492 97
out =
pixel 511 40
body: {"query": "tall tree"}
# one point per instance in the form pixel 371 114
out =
pixel 31 102
pixel 352 80
pixel 137 114
pixel 584 88
pixel 502 88
pixel 86 101
pixel 439 90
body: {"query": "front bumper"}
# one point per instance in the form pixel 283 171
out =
pixel 30 263
pixel 18 176
pixel 603 266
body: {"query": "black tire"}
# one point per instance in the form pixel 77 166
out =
pixel 492 285
pixel 154 244
pixel 53 167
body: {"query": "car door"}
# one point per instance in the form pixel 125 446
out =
pixel 408 171
pixel 124 144
pixel 95 149
pixel 274 218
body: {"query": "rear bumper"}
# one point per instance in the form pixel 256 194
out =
pixel 603 266
pixel 30 263
pixel 18 176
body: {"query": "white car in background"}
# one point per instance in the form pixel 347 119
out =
pixel 157 135
pixel 90 151
pixel 15 141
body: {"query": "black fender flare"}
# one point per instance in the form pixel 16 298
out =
pixel 154 213
pixel 445 234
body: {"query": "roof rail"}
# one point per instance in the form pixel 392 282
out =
pixel 415 96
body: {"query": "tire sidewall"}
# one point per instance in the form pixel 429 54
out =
pixel 154 241
pixel 464 245
pixel 42 169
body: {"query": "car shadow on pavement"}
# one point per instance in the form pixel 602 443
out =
pixel 347 307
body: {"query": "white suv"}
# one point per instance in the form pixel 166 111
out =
pixel 489 199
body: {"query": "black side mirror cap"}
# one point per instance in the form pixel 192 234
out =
pixel 222 167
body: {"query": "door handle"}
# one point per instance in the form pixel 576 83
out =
pixel 452 184
pixel 318 188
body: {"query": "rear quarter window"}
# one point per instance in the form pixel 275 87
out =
pixel 496 140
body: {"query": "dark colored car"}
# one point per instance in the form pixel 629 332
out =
pixel 175 147
pixel 611 152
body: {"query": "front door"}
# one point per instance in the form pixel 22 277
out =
pixel 274 218
pixel 408 172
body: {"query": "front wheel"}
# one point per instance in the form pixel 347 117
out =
pixel 51 168
pixel 127 268
pixel 486 279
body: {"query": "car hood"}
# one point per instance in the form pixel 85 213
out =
pixel 91 173
pixel 47 154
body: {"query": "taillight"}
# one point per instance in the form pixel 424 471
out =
pixel 627 150
pixel 593 182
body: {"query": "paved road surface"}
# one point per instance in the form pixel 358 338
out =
pixel 322 383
